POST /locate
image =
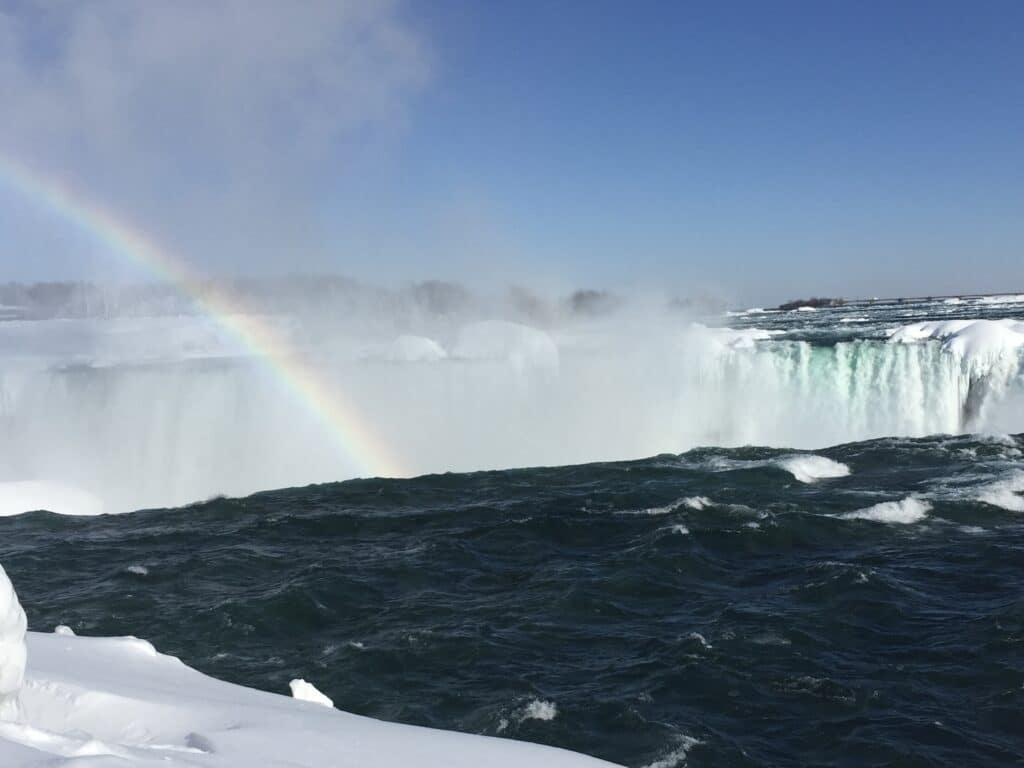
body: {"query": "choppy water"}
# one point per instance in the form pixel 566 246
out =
pixel 706 609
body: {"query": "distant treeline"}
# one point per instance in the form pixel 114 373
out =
pixel 319 294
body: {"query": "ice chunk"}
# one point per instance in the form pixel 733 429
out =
pixel 304 691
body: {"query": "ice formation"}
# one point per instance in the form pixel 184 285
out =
pixel 12 648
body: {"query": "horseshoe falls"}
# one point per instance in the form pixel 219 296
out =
pixel 641 537
pixel 155 411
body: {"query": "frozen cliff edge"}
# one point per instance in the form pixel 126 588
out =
pixel 12 649
pixel 990 355
pixel 116 702
pixel 983 343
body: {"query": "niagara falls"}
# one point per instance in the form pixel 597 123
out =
pixel 387 383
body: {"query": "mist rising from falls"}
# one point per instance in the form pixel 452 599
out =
pixel 164 411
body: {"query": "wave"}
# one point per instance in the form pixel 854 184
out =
pixel 809 469
pixel 905 511
pixel 1005 493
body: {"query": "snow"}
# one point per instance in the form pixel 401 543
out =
pixel 982 342
pixel 116 702
pixel 304 691
pixel 30 495
pixel 810 468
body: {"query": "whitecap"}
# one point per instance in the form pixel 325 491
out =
pixel 904 511
pixel 677 756
pixel 700 639
pixel 697 502
pixel 809 468
pixel 538 709
pixel 1005 493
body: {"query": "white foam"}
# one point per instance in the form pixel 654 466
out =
pixel 903 512
pixel 538 709
pixel 138 570
pixel 808 468
pixel 1003 299
pixel 667 509
pixel 1005 493
pixel 697 502
pixel 304 691
pixel 29 496
pixel 677 756
pixel 700 639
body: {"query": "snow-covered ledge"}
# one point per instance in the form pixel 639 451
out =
pixel 12 648
pixel 109 702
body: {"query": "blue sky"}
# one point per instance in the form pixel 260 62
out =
pixel 757 150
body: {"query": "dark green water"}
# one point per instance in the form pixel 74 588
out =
pixel 763 625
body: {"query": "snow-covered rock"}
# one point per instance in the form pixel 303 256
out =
pixel 12 648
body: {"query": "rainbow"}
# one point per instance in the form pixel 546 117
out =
pixel 349 429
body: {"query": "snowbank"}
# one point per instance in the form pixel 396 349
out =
pixel 977 341
pixel 12 648
pixel 116 702
pixel 29 496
